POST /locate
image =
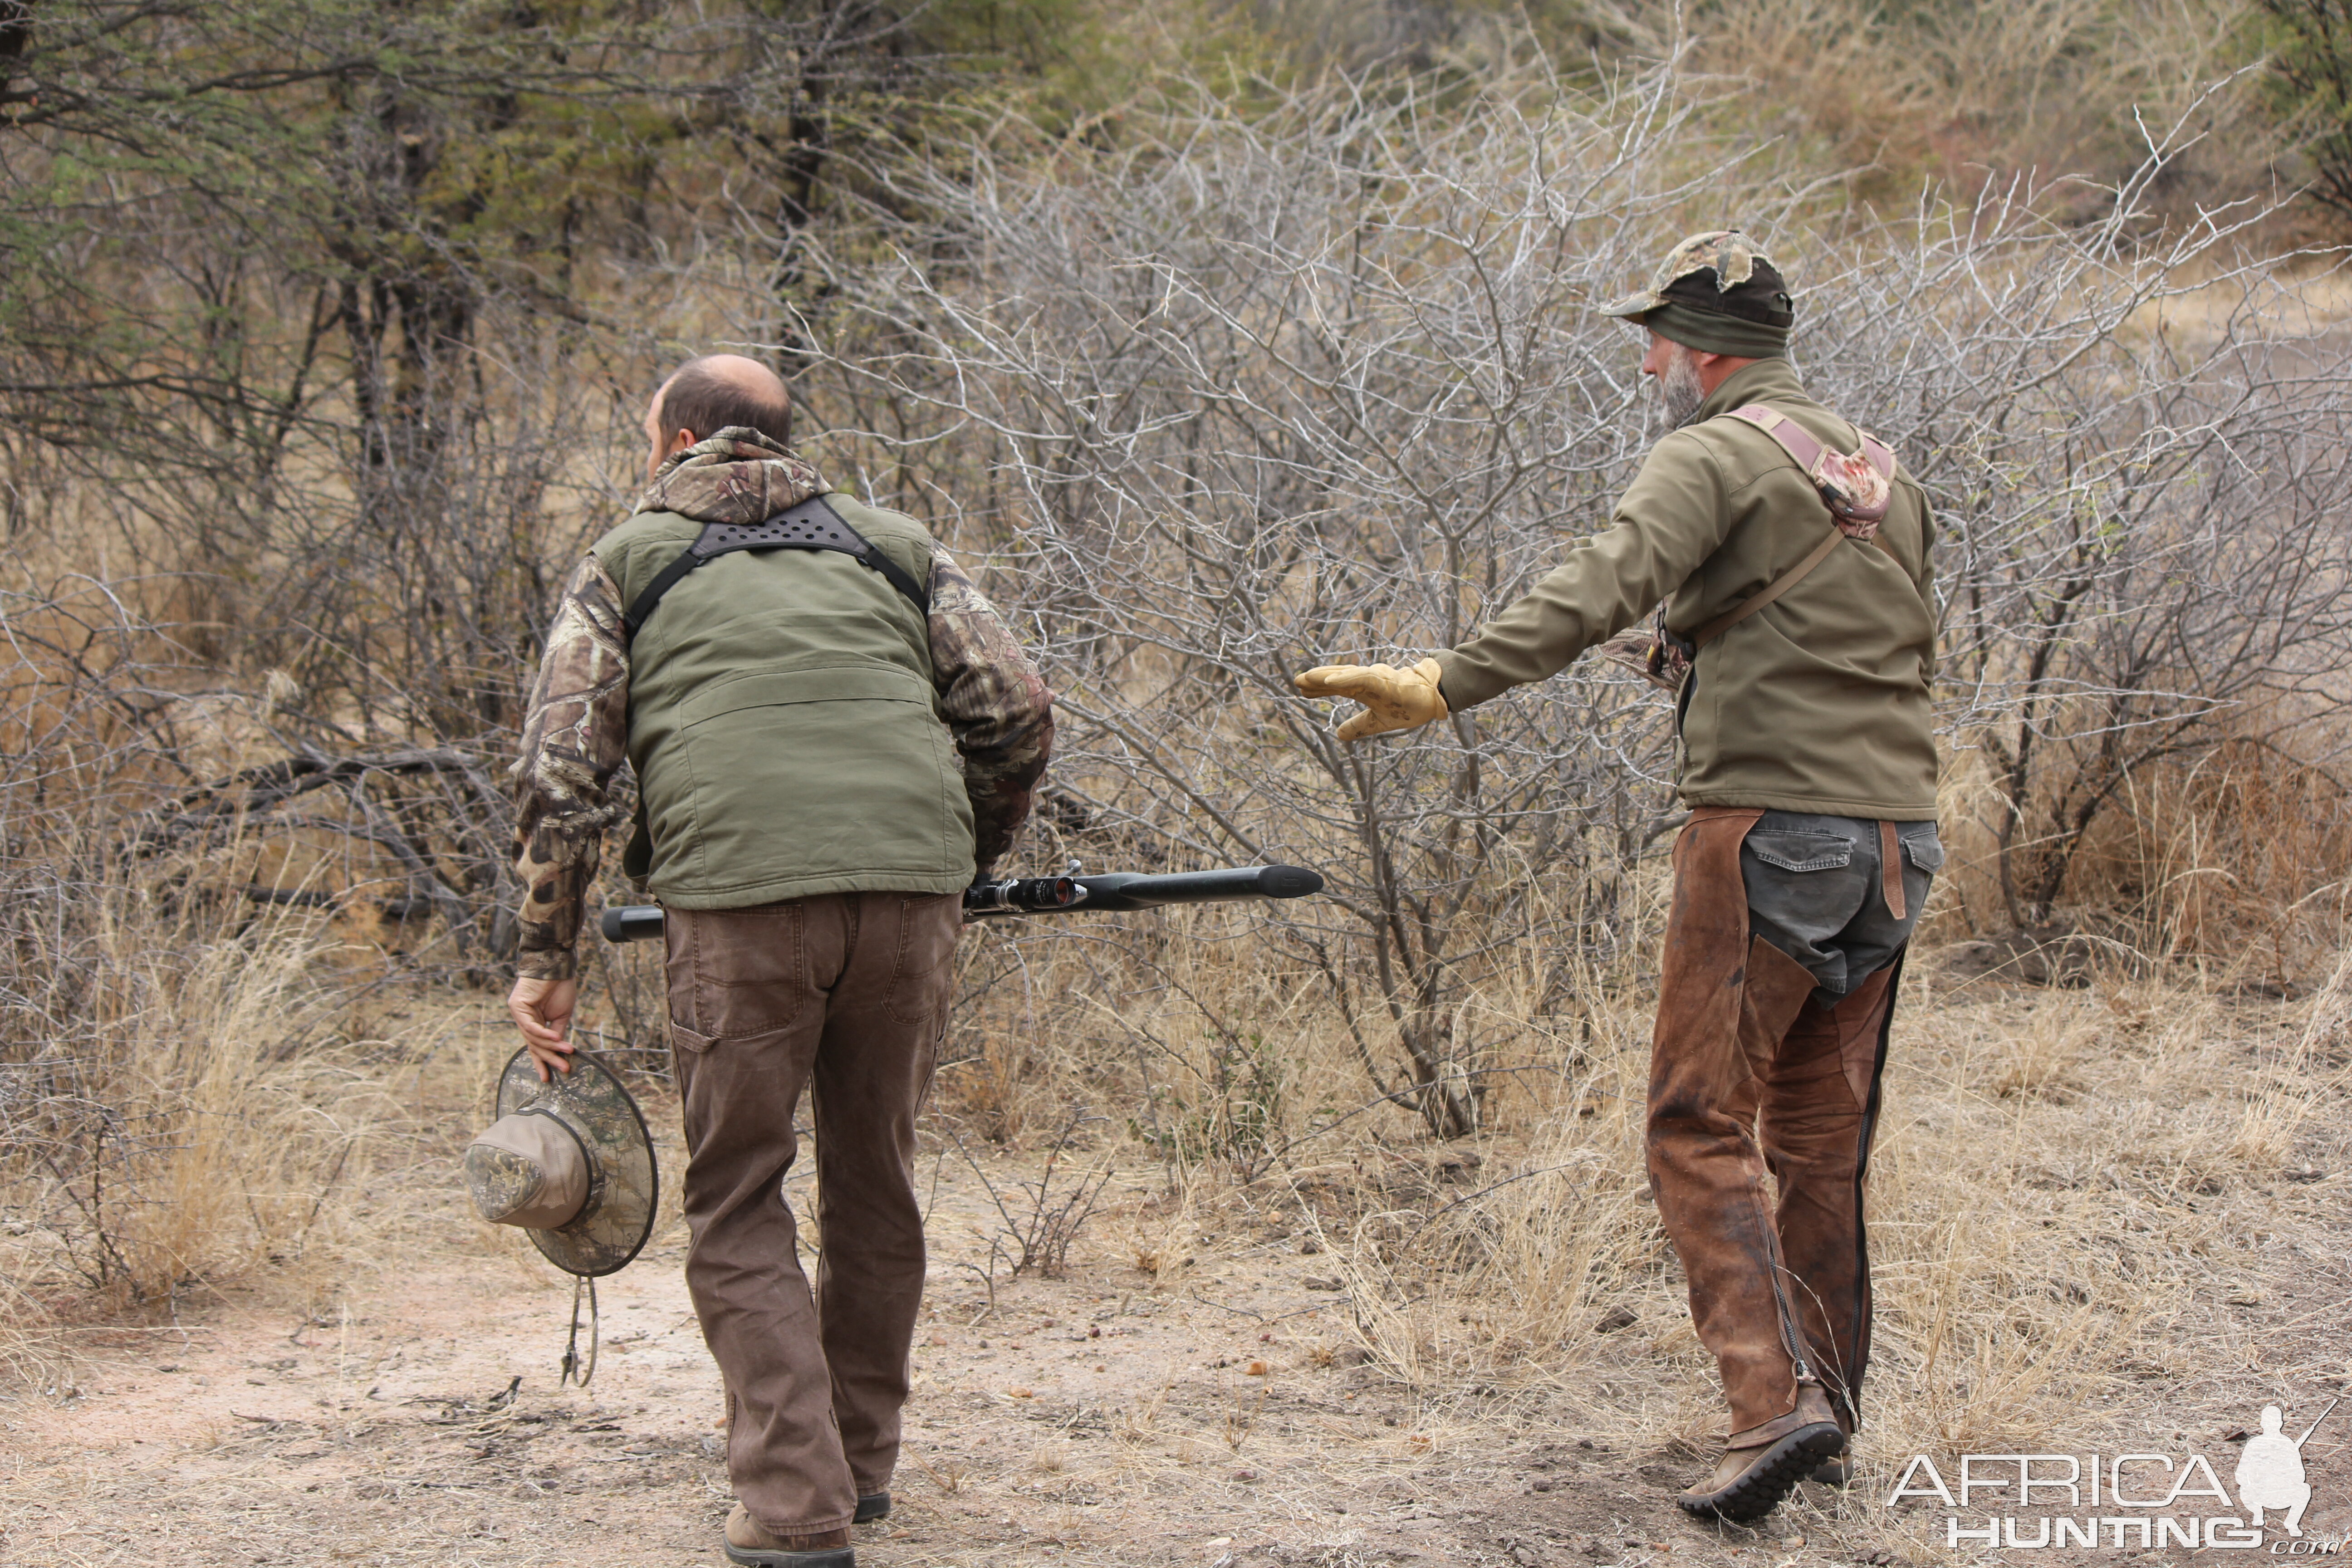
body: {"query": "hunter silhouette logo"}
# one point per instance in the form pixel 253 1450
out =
pixel 2270 1472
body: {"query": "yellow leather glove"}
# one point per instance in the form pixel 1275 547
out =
pixel 1394 698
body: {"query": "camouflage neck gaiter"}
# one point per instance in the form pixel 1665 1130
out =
pixel 735 475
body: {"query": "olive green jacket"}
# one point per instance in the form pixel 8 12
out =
pixel 784 720
pixel 1818 702
pixel 784 710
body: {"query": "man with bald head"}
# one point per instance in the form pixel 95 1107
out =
pixel 834 734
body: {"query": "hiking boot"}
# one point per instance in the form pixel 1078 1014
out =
pixel 750 1543
pixel 874 1506
pixel 1838 1470
pixel 1763 1465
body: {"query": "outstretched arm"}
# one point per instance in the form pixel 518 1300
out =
pixel 1671 519
pixel 1672 516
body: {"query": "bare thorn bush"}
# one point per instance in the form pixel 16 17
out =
pixel 1043 1222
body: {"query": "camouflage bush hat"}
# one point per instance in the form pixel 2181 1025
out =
pixel 569 1162
pixel 1716 293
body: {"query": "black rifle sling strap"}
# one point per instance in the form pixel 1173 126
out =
pixel 812 525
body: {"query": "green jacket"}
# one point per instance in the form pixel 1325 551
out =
pixel 783 719
pixel 1819 702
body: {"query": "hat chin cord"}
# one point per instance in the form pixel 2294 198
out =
pixel 572 1363
pixel 572 1369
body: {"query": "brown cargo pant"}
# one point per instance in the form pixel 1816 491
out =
pixel 845 993
pixel 1755 1063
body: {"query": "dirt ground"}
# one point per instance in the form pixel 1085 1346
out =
pixel 1212 1409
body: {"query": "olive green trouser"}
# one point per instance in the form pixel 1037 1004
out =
pixel 846 995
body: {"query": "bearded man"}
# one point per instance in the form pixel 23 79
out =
pixel 1793 558
pixel 788 670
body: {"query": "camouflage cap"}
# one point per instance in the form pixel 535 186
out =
pixel 1720 275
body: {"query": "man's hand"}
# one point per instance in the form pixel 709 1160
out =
pixel 1394 698
pixel 542 1010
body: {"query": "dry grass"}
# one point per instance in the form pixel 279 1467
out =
pixel 2229 865
pixel 2057 1175
pixel 2310 1081
pixel 1962 95
pixel 2075 1187
pixel 199 1118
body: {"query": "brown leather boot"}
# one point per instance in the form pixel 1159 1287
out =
pixel 752 1544
pixel 1761 1466
pixel 1837 1470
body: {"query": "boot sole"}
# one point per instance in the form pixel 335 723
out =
pixel 828 1557
pixel 1759 1489
pixel 871 1507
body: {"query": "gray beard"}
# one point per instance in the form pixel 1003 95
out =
pixel 1680 387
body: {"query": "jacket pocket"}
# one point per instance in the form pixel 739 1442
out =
pixel 1795 851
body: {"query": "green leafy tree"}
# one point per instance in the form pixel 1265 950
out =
pixel 2309 46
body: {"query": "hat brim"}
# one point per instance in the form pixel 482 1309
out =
pixel 1634 307
pixel 614 1223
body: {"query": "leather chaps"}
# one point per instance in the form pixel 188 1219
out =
pixel 1750 1072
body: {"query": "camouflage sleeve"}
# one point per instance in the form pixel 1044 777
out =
pixel 995 704
pixel 574 740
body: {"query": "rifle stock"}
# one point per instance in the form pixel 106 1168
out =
pixel 1110 893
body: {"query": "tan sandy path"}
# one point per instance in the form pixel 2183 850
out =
pixel 1091 1419
pixel 1114 1416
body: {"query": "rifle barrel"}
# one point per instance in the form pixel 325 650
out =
pixel 631 923
pixel 1117 891
pixel 1112 892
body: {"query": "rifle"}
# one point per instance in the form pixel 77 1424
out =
pixel 1109 892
